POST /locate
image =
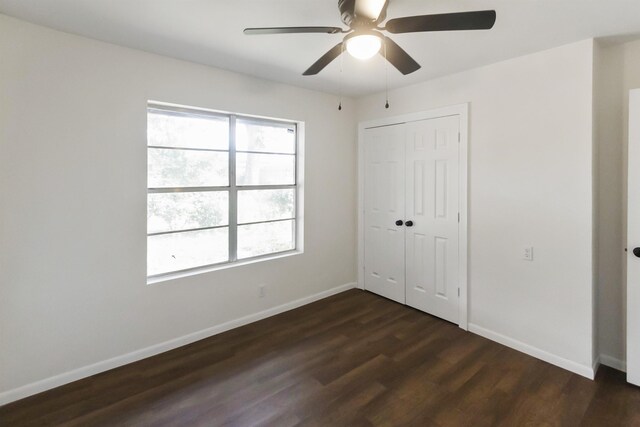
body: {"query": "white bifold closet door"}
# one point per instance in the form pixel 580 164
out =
pixel 432 205
pixel 383 207
pixel 411 179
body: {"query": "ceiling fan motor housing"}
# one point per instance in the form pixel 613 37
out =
pixel 349 17
pixel 347 11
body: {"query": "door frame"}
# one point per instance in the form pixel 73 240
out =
pixel 461 110
pixel 633 288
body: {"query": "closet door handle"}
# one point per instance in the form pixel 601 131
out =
pixel 409 223
pixel 399 222
pixel 636 252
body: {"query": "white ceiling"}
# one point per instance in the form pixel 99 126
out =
pixel 210 32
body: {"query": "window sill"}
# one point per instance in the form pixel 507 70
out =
pixel 207 269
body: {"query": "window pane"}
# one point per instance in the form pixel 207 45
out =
pixel 265 238
pixel 265 169
pixel 181 211
pixel 179 251
pixel 251 136
pixel 187 168
pixel 188 131
pixel 265 205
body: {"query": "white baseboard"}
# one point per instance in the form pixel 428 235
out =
pixel 584 370
pixel 105 365
pixel 613 362
pixel 596 366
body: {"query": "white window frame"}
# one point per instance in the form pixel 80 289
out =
pixel 232 189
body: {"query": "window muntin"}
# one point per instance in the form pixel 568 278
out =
pixel 265 169
pixel 211 203
pixel 260 238
pixel 167 128
pixel 168 253
pixel 257 136
pixel 266 205
pixel 175 167
pixel 186 210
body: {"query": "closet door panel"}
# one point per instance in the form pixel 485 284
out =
pixel 432 207
pixel 384 205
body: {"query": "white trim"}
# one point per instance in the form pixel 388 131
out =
pixel 300 162
pixel 463 197
pixel 613 362
pixel 461 110
pixel 360 217
pixel 451 110
pixel 569 365
pixel 595 366
pixel 360 207
pixel 105 365
pixel 174 275
pixel 633 233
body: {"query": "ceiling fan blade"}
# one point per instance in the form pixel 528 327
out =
pixel 478 20
pixel 324 60
pixel 292 30
pixel 371 9
pixel 398 57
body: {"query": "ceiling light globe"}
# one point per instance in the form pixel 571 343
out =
pixel 364 46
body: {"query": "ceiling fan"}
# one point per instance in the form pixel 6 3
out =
pixel 364 38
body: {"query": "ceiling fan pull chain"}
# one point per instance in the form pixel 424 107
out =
pixel 386 74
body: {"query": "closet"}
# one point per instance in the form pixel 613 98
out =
pixel 411 213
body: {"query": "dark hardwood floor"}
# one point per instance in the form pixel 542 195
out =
pixel 354 359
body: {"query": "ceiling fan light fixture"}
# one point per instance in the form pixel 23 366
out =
pixel 363 46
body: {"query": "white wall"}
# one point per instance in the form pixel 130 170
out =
pixel 73 203
pixel 530 183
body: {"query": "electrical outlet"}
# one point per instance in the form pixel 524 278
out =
pixel 262 291
pixel 527 254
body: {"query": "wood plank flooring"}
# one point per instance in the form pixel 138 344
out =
pixel 353 359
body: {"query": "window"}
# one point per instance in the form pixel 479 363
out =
pixel 221 188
